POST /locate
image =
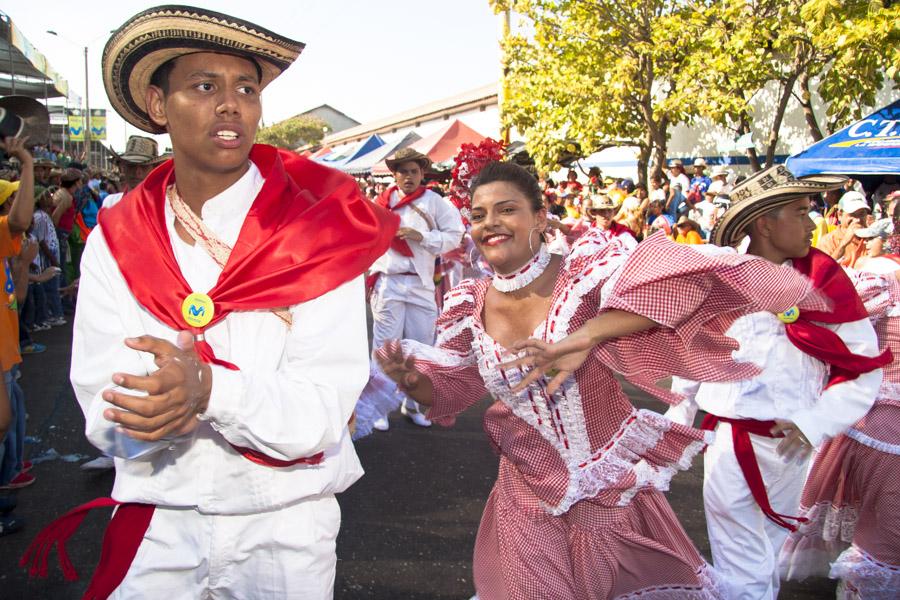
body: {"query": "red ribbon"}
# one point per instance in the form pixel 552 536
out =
pixel 384 201
pixel 746 459
pixel 128 525
pixel 820 342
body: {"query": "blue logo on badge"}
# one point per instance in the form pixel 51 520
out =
pixel 197 311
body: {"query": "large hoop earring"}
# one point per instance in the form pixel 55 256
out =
pixel 530 245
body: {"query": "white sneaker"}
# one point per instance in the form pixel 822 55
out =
pixel 58 321
pixel 419 419
pixel 381 424
pixel 101 463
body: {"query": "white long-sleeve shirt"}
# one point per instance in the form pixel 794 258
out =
pixel 292 397
pixel 443 234
pixel 791 383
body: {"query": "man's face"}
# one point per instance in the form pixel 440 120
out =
pixel 791 229
pixel 41 173
pixel 859 216
pixel 134 173
pixel 211 111
pixel 409 176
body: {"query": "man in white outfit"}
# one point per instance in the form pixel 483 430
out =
pixel 402 301
pixel 819 373
pixel 220 338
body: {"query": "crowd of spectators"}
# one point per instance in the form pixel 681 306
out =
pixel 48 206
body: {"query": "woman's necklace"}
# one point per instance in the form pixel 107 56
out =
pixel 528 273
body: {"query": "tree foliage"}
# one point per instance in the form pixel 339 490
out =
pixel 604 72
pixel 598 73
pixel 293 132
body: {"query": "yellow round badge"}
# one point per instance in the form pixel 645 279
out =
pixel 197 310
pixel 790 315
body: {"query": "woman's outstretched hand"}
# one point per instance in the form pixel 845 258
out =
pixel 401 369
pixel 557 361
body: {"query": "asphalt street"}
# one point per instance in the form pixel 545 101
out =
pixel 408 526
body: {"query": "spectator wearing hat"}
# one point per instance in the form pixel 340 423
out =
pixel 880 256
pixel 841 244
pixel 42 169
pixel 220 340
pixel 141 156
pixel 819 373
pixel 689 231
pixel 679 185
pixel 602 211
pixel 402 301
pixel 718 181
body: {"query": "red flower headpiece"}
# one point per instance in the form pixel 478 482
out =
pixel 470 160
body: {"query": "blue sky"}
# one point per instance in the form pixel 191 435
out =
pixel 367 58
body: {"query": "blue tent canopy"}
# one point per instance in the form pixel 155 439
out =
pixel 871 146
pixel 371 143
pixel 364 164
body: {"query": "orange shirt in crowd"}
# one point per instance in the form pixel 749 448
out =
pixel 691 237
pixel 10 246
pixel 830 242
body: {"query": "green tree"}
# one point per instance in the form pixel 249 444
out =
pixel 293 132
pixel 749 44
pixel 599 73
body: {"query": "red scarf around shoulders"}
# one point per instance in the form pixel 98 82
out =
pixel 308 231
pixel 384 201
pixel 805 333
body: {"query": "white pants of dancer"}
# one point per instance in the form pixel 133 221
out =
pixel 745 544
pixel 402 308
pixel 287 553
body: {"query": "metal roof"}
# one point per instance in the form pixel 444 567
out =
pixel 23 70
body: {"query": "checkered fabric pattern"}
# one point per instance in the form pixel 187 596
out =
pixel 852 494
pixel 557 525
pixel 695 297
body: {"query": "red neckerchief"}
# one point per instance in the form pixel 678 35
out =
pixel 308 231
pixel 384 201
pixel 618 229
pixel 820 342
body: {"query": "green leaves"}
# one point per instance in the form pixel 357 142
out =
pixel 293 132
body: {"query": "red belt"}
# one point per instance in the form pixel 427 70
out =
pixel 122 538
pixel 746 458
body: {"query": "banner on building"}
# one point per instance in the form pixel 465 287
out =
pixel 76 125
pixel 98 123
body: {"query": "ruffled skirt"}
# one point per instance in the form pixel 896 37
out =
pixel 592 552
pixel 852 496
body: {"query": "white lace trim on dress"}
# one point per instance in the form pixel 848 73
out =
pixel 873 580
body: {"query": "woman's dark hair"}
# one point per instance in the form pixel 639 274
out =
pixel 512 173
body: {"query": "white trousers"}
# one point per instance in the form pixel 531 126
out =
pixel 745 544
pixel 287 553
pixel 402 308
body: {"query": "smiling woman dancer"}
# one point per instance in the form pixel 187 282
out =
pixel 577 509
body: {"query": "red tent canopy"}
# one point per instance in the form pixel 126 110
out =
pixel 440 146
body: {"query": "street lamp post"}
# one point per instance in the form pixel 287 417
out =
pixel 87 102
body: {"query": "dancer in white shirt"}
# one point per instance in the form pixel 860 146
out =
pixel 817 377
pixel 402 301
pixel 220 340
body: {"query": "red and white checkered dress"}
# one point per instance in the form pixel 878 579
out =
pixel 852 495
pixel 577 509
